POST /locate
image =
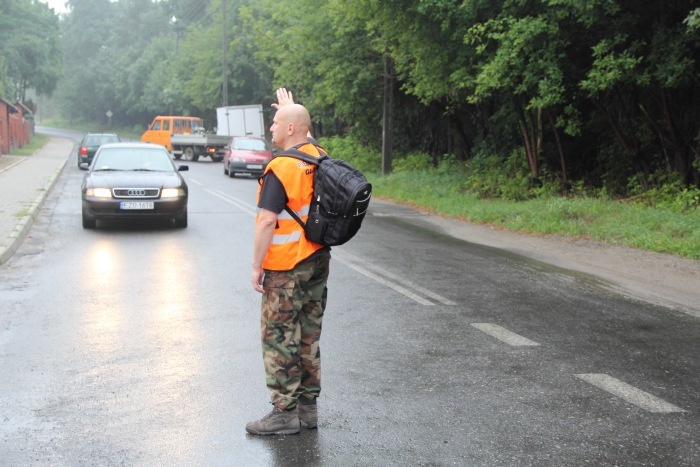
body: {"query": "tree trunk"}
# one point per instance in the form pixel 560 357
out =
pixel 562 159
pixel 532 139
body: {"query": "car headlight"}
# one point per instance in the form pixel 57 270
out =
pixel 172 193
pixel 99 192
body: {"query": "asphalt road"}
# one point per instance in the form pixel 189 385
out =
pixel 138 345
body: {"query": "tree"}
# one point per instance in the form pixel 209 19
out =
pixel 595 90
pixel 30 47
pixel 321 52
pixel 644 81
pixel 87 56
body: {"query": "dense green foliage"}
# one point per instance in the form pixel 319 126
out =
pixel 30 53
pixel 536 96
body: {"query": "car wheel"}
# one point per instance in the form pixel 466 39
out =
pixel 231 173
pixel 190 155
pixel 217 159
pixel 89 222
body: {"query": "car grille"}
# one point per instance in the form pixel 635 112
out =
pixel 136 192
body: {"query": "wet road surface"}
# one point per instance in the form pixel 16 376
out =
pixel 138 345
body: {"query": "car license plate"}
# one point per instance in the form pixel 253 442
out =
pixel 137 205
pixel 255 166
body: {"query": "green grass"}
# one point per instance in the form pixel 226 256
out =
pixel 36 142
pixel 608 221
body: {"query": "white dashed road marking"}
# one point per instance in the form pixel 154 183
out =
pixel 634 396
pixel 503 334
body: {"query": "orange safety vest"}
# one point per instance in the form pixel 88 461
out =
pixel 289 245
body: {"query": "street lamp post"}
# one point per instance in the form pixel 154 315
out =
pixel 224 52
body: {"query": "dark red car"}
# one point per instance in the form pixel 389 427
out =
pixel 246 155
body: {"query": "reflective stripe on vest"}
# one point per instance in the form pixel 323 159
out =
pixel 303 213
pixel 288 238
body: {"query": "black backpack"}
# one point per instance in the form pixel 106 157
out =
pixel 340 200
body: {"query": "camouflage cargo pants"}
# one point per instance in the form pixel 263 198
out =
pixel 292 312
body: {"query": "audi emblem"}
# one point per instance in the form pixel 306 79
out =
pixel 136 193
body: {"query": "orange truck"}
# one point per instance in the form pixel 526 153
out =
pixel 185 137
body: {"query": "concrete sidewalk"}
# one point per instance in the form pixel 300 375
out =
pixel 25 181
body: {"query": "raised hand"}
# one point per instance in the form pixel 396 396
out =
pixel 284 97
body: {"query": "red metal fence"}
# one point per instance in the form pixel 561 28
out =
pixel 15 126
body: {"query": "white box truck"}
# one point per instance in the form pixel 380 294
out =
pixel 240 120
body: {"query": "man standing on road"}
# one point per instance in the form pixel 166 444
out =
pixel 291 272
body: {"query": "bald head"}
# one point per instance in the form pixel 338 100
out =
pixel 290 126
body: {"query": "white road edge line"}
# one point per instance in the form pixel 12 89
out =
pixel 400 280
pixel 340 258
pixel 504 335
pixel 624 391
pixel 230 199
pixel 385 282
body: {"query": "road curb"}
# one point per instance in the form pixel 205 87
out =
pixel 25 222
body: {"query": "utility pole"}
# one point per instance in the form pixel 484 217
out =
pixel 388 110
pixel 224 53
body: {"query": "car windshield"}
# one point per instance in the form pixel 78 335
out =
pixel 250 144
pixel 133 159
pixel 98 140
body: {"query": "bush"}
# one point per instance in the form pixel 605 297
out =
pixel 664 191
pixel 348 149
pixel 491 177
pixel 412 162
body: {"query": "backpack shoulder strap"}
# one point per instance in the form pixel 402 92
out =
pixel 295 216
pixel 297 154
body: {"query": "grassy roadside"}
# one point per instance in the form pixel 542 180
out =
pixel 36 142
pixel 608 221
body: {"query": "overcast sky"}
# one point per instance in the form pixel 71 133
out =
pixel 57 5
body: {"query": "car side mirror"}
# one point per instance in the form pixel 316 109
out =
pixel 84 166
pixel 183 168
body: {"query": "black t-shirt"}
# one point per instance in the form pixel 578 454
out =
pixel 273 196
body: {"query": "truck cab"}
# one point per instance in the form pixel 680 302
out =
pixel 163 127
